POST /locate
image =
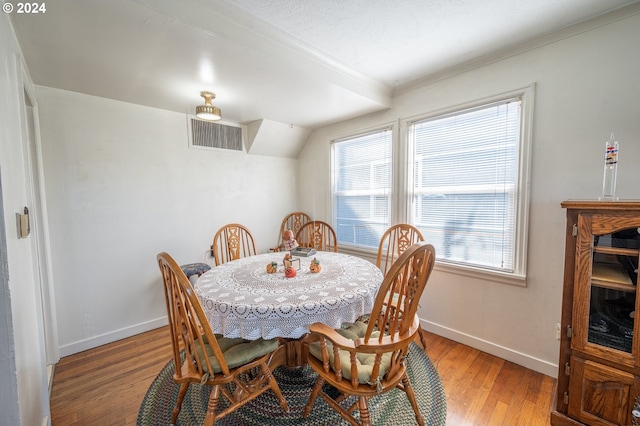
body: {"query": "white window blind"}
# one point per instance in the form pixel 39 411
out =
pixel 362 188
pixel 465 183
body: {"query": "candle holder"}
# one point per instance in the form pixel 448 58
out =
pixel 293 262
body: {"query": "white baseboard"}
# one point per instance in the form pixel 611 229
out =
pixel 102 339
pixel 516 357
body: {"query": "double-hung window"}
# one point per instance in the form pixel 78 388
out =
pixel 462 180
pixel 465 183
pixel 362 188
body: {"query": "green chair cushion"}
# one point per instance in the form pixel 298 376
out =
pixel 237 351
pixel 353 331
pixel 364 361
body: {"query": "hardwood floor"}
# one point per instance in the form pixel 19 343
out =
pixel 105 386
pixel 484 390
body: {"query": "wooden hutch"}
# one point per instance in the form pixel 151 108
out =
pixel 599 366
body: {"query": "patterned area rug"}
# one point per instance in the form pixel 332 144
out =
pixel 391 408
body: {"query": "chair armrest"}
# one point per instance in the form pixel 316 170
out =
pixel 357 361
pixel 385 343
pixel 336 338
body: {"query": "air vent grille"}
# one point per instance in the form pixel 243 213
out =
pixel 207 134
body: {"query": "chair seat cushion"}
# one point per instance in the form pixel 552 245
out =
pixel 195 268
pixel 237 352
pixel 364 361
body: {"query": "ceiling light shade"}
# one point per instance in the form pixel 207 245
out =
pixel 208 111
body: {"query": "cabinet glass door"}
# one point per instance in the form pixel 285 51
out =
pixel 614 277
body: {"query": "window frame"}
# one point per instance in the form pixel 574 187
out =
pixel 402 175
pixel 392 129
pixel 522 185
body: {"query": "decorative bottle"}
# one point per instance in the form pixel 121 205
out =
pixel 610 169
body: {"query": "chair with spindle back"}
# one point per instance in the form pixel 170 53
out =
pixel 232 242
pixel 318 235
pixel 237 369
pixel 396 239
pixel 293 221
pixel 367 359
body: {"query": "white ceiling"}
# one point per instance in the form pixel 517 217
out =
pixel 305 63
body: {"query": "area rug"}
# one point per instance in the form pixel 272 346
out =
pixel 390 408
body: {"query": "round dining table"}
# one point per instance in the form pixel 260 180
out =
pixel 241 299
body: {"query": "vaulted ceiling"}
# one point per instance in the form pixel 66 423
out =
pixel 297 63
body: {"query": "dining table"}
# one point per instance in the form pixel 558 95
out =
pixel 241 299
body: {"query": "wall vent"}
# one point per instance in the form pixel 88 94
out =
pixel 211 135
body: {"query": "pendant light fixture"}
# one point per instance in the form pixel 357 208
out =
pixel 208 111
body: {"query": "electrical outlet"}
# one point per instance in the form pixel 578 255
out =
pixel 558 331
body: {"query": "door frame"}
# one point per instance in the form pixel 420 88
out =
pixel 42 270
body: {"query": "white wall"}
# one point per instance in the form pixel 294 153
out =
pixel 122 186
pixel 587 86
pixel 23 392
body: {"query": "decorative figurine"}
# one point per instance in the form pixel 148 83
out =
pixel 315 267
pixel 290 272
pixel 272 268
pixel 288 241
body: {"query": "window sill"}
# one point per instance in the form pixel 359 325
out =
pixel 368 254
pixel 446 267
pixel 484 274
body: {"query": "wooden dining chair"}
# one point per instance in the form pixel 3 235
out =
pixel 293 221
pixel 232 242
pixel 237 369
pixel 318 235
pixel 366 359
pixel 394 242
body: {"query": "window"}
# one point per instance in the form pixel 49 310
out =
pixel 361 188
pixel 465 184
pixel 460 176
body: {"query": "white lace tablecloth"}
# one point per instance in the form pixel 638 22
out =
pixel 241 299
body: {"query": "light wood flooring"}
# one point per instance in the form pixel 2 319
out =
pixel 105 386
